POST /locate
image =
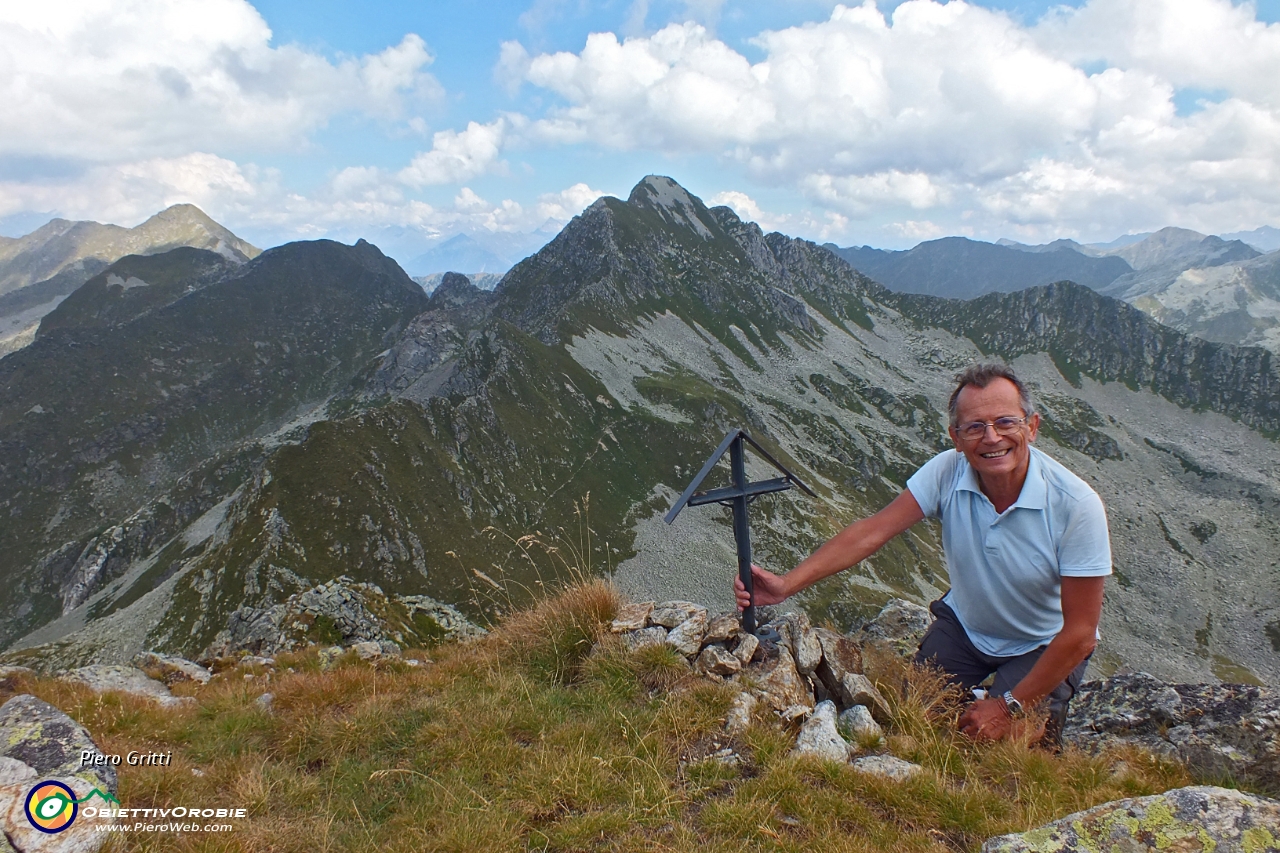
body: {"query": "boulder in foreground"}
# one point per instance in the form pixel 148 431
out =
pixel 1189 820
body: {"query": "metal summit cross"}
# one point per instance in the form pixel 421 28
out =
pixel 738 495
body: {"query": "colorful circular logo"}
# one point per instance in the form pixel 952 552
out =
pixel 51 806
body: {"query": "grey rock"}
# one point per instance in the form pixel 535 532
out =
pixel 669 614
pixel 655 636
pixel 9 671
pixel 818 736
pixel 778 684
pixel 723 628
pixel 686 637
pixel 798 636
pixel 718 660
pixel 173 669
pixel 841 656
pixel 351 609
pixel 901 624
pixel 631 617
pixel 265 701
pixel 857 723
pixel 1195 819
pixel 738 720
pixel 106 678
pixel 368 650
pixel 1215 729
pixel 329 655
pixel 857 689
pixel 794 712
pixel 745 647
pixel 886 767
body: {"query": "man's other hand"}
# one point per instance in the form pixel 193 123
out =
pixel 768 587
pixel 986 719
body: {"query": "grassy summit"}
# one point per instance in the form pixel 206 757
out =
pixel 528 740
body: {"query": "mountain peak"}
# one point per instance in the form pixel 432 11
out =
pixel 674 203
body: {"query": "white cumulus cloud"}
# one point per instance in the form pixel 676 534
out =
pixel 458 156
pixel 1077 123
pixel 101 81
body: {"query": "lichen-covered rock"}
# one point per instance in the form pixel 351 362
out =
pixel 857 723
pixel 778 684
pixel 39 743
pixel 686 637
pixel 1215 729
pixel 886 767
pixel 738 720
pixel 717 660
pixel 106 678
pixel 171 669
pixel 900 624
pixel 655 636
pixel 669 614
pixel 42 737
pixel 857 689
pixel 819 737
pixel 631 617
pixel 1188 820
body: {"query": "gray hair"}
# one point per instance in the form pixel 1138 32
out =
pixel 982 375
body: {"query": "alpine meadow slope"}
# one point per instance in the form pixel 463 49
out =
pixel 609 365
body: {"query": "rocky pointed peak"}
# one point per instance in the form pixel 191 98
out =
pixel 186 224
pixel 455 289
pixel 675 204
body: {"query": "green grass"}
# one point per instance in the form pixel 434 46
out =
pixel 530 740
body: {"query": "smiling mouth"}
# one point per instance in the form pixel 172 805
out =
pixel 996 454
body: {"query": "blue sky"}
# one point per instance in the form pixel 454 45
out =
pixel 408 122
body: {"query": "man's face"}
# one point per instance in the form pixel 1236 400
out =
pixel 994 455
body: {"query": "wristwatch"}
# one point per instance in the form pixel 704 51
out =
pixel 1012 704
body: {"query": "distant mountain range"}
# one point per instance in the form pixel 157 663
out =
pixel 1220 289
pixel 178 456
pixel 40 269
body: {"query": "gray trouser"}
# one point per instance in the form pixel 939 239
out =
pixel 947 646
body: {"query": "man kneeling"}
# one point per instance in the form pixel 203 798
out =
pixel 1027 550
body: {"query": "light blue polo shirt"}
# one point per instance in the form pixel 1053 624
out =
pixel 1006 568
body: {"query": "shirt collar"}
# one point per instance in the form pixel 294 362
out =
pixel 1035 493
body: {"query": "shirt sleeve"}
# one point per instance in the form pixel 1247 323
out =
pixel 1085 548
pixel 926 484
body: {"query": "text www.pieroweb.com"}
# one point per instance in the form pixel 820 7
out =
pixel 165 820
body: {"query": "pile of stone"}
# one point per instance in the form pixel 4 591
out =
pixel 810 675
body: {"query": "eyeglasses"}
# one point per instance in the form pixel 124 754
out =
pixel 977 429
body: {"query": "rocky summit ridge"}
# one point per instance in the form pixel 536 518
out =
pixel 836 713
pixel 572 404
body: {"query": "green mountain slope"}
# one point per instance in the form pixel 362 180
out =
pixel 130 389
